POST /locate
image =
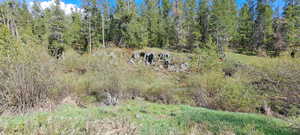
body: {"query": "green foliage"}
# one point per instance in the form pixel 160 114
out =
pixel 39 23
pixel 245 29
pixel 153 22
pixel 190 25
pixel 7 45
pixel 223 23
pixel 57 29
pixel 171 24
pixel 25 23
pixel 292 16
pixel 72 39
pixel 204 14
pixel 263 25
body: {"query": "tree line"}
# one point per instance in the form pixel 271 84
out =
pixel 257 26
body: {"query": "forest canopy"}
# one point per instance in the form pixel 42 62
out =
pixel 252 28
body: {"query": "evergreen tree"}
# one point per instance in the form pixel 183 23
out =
pixel 223 24
pixel 176 24
pixel 72 39
pixel 204 21
pixel 92 24
pixel 106 21
pixel 24 22
pixel 166 24
pixel 119 23
pixel 135 34
pixel 178 20
pixel 244 29
pixel 263 25
pixel 39 28
pixel 191 33
pixel 152 19
pixel 292 19
pixel 57 29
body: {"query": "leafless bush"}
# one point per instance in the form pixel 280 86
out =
pixel 24 86
pixel 281 87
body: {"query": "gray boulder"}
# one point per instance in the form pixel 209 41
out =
pixel 149 58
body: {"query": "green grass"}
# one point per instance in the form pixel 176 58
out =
pixel 150 119
pixel 261 61
pixel 237 121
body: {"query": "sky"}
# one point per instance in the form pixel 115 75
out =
pixel 77 2
pixel 67 5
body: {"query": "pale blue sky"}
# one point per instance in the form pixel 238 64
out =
pixel 278 3
pixel 77 2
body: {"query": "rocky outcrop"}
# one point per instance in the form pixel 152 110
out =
pixel 163 61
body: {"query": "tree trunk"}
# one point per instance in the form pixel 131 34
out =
pixel 90 37
pixel 103 32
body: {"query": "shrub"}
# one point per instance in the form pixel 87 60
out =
pixel 220 92
pixel 26 82
pixel 279 83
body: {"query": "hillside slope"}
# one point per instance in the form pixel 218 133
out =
pixel 140 117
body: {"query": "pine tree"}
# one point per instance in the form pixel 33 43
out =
pixel 24 22
pixel 135 35
pixel 39 28
pixel 57 29
pixel 204 21
pixel 91 24
pixel 178 20
pixel 292 19
pixel 166 24
pixel 263 25
pixel 119 23
pixel 191 34
pixel 74 26
pixel 223 24
pixel 252 7
pixel 244 29
pixel 153 21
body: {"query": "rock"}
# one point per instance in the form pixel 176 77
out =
pixel 138 116
pixel 164 56
pixel 167 62
pixel 112 55
pixel 229 71
pixel 110 99
pixel 267 109
pixel 162 60
pixel 161 67
pixel 184 67
pixel 149 58
pixel 142 54
pixel 172 68
pixel 131 61
pixel 173 114
pixel 136 55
